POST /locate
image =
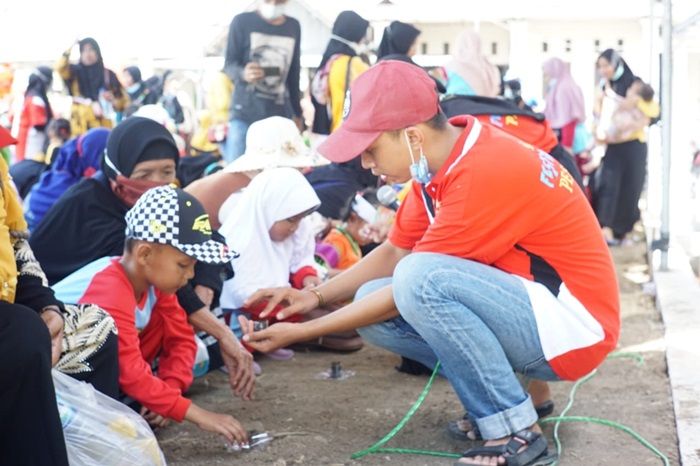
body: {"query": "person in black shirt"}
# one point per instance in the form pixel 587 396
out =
pixel 262 60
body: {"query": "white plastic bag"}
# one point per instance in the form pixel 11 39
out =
pixel 100 431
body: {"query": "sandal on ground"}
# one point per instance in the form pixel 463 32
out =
pixel 534 454
pixel 345 342
pixel 456 432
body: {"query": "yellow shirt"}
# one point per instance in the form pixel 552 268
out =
pixel 336 84
pixel 11 223
pixel 650 110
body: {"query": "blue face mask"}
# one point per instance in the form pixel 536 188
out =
pixel 419 170
pixel 618 72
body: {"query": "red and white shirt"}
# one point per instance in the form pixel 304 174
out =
pixel 501 202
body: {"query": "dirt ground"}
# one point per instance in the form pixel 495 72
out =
pixel 338 418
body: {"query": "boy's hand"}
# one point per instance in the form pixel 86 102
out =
pixel 53 319
pixel 296 301
pixel 276 336
pixel 153 419
pixel 239 363
pixel 223 424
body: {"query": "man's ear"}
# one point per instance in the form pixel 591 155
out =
pixel 415 137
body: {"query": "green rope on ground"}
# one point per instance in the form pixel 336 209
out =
pixel 624 355
pixel 613 424
pixel 403 421
pixel 377 447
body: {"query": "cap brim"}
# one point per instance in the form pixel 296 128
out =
pixel 210 252
pixel 343 144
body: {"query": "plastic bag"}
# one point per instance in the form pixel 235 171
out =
pixel 100 431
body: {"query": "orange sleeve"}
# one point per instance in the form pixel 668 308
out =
pixel 178 349
pixel 411 220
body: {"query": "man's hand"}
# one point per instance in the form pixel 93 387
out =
pixel 223 424
pixel 153 419
pixel 239 363
pixel 97 109
pixel 108 96
pixel 205 294
pixel 279 335
pixel 53 319
pixel 252 72
pixel 295 301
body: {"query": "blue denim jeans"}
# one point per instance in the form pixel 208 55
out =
pixel 478 322
pixel 234 145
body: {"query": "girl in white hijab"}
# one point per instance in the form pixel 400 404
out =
pixel 470 72
pixel 267 226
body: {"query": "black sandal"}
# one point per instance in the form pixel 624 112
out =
pixel 543 410
pixel 534 454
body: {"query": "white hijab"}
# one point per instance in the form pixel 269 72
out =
pixel 271 196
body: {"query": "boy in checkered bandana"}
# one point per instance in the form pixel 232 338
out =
pixel 167 232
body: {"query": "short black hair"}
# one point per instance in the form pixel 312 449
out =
pixel 369 194
pixel 61 127
pixel 130 244
pixel 438 122
pixel 646 92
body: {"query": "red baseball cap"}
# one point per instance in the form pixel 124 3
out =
pixel 390 95
pixel 6 138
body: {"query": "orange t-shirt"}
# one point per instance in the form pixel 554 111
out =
pixel 499 201
pixel 349 254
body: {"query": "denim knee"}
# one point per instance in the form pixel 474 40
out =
pixel 410 277
pixel 372 286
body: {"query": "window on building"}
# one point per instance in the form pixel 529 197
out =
pixel 545 47
pixel 424 48
pixel 494 48
pixel 446 48
pixel 567 45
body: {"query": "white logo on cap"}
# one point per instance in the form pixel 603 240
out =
pixel 346 105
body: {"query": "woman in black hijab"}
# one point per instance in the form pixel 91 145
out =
pixel 398 39
pixel 619 181
pixel 87 221
pixel 95 89
pixel 348 31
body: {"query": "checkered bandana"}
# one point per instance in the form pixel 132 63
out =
pixel 168 215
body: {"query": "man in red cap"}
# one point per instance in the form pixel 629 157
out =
pixel 495 263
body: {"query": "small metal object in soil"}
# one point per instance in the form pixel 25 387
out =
pixel 336 372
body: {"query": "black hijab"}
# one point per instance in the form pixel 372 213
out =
pixel 39 82
pixel 87 222
pixel 622 83
pixel 351 27
pixel 397 39
pixel 135 73
pixel 135 140
pixel 91 78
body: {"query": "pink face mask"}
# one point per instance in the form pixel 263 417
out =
pixel 129 191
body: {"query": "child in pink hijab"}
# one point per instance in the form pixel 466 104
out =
pixel 564 99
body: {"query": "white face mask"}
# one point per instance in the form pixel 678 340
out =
pixel 270 11
pixel 358 48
